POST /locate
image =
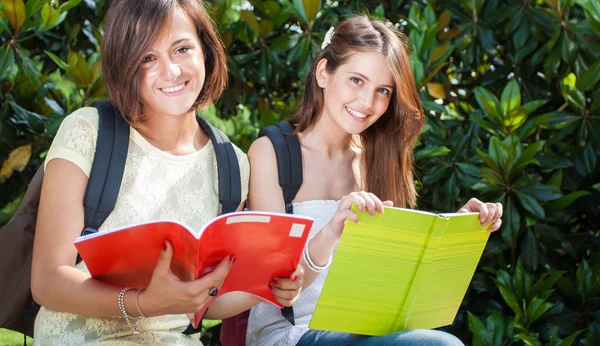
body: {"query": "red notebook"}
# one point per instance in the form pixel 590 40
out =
pixel 265 245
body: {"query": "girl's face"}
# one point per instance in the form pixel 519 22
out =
pixel 172 71
pixel 358 92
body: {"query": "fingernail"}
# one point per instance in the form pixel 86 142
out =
pixel 294 277
pixel 274 282
pixel 232 259
pixel 164 245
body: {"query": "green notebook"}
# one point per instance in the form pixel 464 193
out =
pixel 405 269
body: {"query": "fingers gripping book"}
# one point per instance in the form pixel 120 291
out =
pixel 265 245
pixel 404 269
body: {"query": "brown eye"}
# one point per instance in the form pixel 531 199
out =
pixel 356 80
pixel 147 59
pixel 384 91
pixel 183 50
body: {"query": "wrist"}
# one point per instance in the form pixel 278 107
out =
pixel 146 305
pixel 329 234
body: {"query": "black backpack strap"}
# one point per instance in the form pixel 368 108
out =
pixel 230 181
pixel 289 159
pixel 108 166
pixel 289 168
pixel 228 168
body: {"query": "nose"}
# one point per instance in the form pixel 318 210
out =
pixel 171 70
pixel 366 98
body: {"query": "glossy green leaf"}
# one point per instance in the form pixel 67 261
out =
pixel 566 200
pixel 590 77
pixel 489 104
pixel 431 152
pixel 510 299
pixel 49 16
pixel 298 6
pixel 529 251
pixel 536 308
pixel 68 5
pixel 78 68
pixel 58 61
pixel 530 204
pixel 435 174
pixel 480 332
pixel 528 154
pixel 511 97
pixel 570 50
pixel 7 60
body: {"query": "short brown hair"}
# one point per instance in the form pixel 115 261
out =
pixel 130 29
pixel 388 144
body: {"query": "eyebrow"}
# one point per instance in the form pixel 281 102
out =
pixel 179 41
pixel 365 77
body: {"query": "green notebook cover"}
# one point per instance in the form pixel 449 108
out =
pixel 405 269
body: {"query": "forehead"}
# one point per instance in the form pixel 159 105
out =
pixel 372 65
pixel 177 26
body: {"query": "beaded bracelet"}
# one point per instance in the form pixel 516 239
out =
pixel 310 263
pixel 128 318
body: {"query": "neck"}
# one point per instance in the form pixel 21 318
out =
pixel 174 134
pixel 326 137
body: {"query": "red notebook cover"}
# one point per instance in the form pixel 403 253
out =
pixel 265 245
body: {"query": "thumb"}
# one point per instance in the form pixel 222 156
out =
pixel 388 203
pixel 164 260
pixel 298 273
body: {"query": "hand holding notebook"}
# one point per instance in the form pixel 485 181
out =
pixel 265 245
pixel 404 269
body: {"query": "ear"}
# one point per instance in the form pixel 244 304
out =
pixel 321 73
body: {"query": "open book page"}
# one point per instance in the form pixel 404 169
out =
pixel 372 269
pixel 126 257
pixel 389 269
pixel 450 260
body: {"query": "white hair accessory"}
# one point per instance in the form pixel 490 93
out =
pixel 327 39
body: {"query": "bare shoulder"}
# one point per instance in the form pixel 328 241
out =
pixel 262 152
pixel 264 193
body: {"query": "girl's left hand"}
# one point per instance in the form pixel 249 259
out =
pixel 488 212
pixel 287 290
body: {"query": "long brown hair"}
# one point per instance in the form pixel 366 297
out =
pixel 130 29
pixel 388 144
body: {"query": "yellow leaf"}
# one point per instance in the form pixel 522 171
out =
pixel 17 161
pixel 444 20
pixel 250 19
pixel 436 90
pixel 266 27
pixel 14 10
pixel 552 3
pixel 227 38
pixel 438 51
pixel 311 8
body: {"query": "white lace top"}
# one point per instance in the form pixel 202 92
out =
pixel 155 186
pixel 266 325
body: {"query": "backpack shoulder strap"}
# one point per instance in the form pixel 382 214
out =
pixel 107 168
pixel 289 169
pixel 228 168
pixel 289 159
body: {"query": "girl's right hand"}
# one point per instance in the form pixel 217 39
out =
pixel 167 294
pixel 365 201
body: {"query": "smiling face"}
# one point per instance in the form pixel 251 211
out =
pixel 172 71
pixel 358 93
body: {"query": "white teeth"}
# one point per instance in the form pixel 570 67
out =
pixel 174 88
pixel 356 113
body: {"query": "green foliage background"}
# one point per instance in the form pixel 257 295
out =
pixel 512 94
